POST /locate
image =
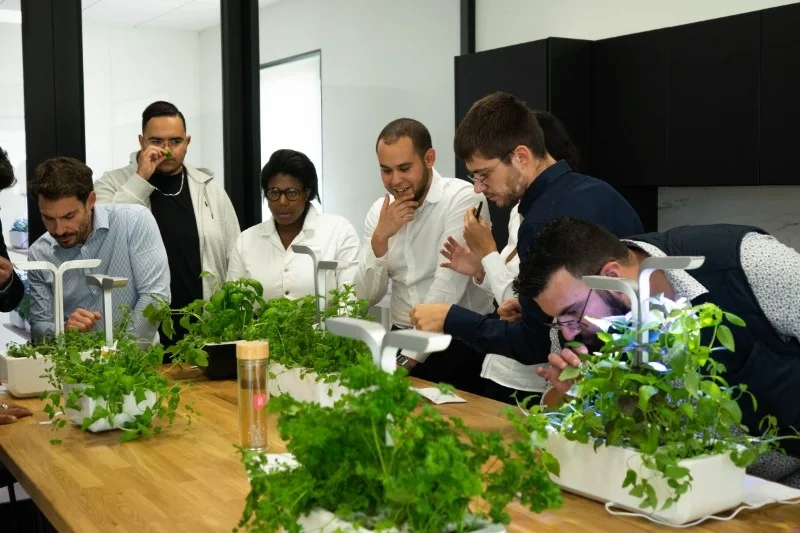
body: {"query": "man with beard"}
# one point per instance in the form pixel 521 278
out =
pixel 124 237
pixel 503 147
pixel 746 272
pixel 404 230
pixel 194 214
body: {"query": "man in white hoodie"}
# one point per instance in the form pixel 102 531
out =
pixel 194 214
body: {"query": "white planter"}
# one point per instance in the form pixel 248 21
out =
pixel 322 521
pixel 717 484
pixel 303 388
pixel 87 406
pixel 23 375
pixel 18 239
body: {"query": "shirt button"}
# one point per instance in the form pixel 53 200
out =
pixel 286 270
pixel 286 293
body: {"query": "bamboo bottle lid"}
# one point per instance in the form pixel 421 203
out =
pixel 252 350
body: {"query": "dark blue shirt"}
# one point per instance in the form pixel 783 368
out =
pixel 556 192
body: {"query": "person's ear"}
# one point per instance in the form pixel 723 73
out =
pixel 188 140
pixel 430 157
pixel 90 200
pixel 142 143
pixel 612 269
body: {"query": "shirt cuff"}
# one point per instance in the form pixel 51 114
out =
pixel 462 323
pixel 373 261
pixel 5 289
pixel 492 264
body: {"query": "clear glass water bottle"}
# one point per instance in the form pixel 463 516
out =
pixel 252 359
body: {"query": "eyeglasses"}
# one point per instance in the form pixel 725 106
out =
pixel 574 323
pixel 173 143
pixel 486 174
pixel 291 194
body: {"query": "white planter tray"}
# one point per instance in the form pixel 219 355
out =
pixel 22 375
pixel 717 485
pixel 322 521
pixel 305 388
pixel 87 406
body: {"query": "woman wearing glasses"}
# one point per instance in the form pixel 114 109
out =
pixel 264 252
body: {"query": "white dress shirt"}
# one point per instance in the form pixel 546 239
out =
pixel 500 275
pixel 259 254
pixel 412 261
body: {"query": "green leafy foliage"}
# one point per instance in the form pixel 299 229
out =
pixel 433 475
pixel 295 340
pixel 47 347
pixel 82 368
pixel 675 406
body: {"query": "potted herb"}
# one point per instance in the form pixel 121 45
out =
pixel 421 472
pixel 18 236
pixel 305 359
pixel 23 367
pixel 665 434
pixel 212 326
pixel 122 388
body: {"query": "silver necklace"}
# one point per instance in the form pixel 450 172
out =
pixel 183 178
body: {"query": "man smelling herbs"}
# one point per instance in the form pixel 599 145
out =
pixel 194 214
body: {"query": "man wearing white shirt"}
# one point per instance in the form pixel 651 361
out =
pixel 403 233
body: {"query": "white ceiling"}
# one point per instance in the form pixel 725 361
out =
pixel 189 15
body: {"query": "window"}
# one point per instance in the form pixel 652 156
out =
pixel 291 111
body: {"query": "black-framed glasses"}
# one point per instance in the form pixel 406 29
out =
pixel 574 323
pixel 487 173
pixel 291 194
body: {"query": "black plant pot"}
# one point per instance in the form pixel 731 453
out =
pixel 221 361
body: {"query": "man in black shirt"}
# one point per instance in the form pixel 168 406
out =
pixel 193 212
pixel 11 289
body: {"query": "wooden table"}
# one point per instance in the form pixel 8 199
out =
pixel 190 478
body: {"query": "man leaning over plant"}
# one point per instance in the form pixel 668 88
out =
pixel 124 237
pixel 746 272
pixel 11 289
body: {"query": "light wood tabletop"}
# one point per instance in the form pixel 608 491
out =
pixel 190 478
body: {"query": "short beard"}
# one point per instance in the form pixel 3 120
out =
pixel 424 184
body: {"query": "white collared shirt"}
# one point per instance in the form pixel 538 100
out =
pixel 500 272
pixel 259 254
pixel 413 259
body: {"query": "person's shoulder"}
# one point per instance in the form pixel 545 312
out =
pixel 334 222
pixel 125 214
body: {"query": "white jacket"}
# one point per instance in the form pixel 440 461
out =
pixel 217 223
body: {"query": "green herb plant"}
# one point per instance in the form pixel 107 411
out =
pixel 675 406
pixel 168 154
pixel 433 475
pixel 89 371
pixel 297 341
pixel 48 347
pixel 225 317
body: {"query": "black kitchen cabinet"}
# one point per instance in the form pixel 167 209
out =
pixel 552 74
pixel 629 109
pixel 780 87
pixel 713 101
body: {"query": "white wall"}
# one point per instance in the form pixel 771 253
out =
pixel 381 60
pixel 506 22
pixel 126 69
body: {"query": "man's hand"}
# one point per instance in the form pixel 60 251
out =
pixel 429 317
pixel 9 413
pixel 82 320
pixel 478 235
pixel 557 365
pixel 460 258
pixel 6 272
pixel 393 217
pixel 149 159
pixel 510 310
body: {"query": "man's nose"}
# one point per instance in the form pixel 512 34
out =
pixel 569 333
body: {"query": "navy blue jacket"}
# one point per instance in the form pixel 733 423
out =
pixel 556 192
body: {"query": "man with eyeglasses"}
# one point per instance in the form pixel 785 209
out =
pixel 404 231
pixel 194 214
pixel 746 272
pixel 504 149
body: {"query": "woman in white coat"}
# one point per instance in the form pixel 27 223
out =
pixel 264 252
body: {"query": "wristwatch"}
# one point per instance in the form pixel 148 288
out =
pixel 403 360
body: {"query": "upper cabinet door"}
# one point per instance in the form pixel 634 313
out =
pixel 780 95
pixel 629 109
pixel 713 102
